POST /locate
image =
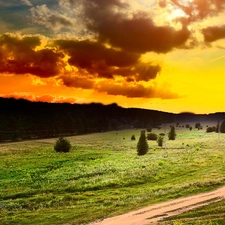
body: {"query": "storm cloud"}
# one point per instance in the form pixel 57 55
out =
pixel 18 56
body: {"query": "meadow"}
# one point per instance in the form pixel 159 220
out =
pixel 102 176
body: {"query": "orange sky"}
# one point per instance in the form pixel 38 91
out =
pixel 166 55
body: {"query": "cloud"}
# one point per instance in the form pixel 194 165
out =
pixel 135 90
pixel 42 15
pixel 104 62
pixel 26 2
pixel 77 82
pixel 40 98
pixel 199 9
pixel 134 32
pixel 18 56
pixel 213 33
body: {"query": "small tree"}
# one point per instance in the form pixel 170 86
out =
pixel 172 134
pixel 62 145
pixel 133 137
pixel 222 127
pixel 142 146
pixel 160 141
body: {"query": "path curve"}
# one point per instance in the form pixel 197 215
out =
pixel 157 212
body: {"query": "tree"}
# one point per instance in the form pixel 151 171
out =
pixel 142 146
pixel 172 134
pixel 133 137
pixel 62 145
pixel 222 127
pixel 160 141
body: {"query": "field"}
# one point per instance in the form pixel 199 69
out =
pixel 102 176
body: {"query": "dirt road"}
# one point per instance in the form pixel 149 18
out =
pixel 155 213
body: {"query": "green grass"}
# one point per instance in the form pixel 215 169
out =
pixel 213 214
pixel 102 175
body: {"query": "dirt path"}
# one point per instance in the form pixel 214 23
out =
pixel 157 212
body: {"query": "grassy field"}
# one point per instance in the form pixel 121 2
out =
pixel 102 176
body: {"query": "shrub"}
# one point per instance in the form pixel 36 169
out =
pixel 62 145
pixel 149 129
pixel 190 128
pixel 142 146
pixel 172 134
pixel 187 126
pixel 210 129
pixel 198 125
pixel 160 141
pixel 133 137
pixel 152 136
pixel 222 127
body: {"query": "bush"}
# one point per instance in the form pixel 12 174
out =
pixel 133 137
pixel 187 126
pixel 160 141
pixel 142 146
pixel 210 129
pixel 149 129
pixel 172 134
pixel 222 127
pixel 152 136
pixel 198 126
pixel 62 145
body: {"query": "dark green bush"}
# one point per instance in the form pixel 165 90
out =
pixel 149 129
pixel 152 136
pixel 142 146
pixel 172 134
pixel 222 127
pixel 210 129
pixel 160 141
pixel 62 145
pixel 133 137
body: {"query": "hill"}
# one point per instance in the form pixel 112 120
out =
pixel 21 119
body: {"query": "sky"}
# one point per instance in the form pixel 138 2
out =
pixel 166 55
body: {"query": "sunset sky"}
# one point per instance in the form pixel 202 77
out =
pixel 166 55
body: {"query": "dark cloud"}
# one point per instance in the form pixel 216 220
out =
pixel 77 82
pixel 18 56
pixel 107 62
pixel 135 91
pixel 213 33
pixel 134 33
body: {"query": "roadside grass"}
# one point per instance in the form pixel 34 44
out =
pixel 102 175
pixel 213 214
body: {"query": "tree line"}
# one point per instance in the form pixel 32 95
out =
pixel 22 119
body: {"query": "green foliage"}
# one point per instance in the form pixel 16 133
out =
pixel 142 146
pixel 198 125
pixel 62 145
pixel 152 136
pixel 104 177
pixel 211 129
pixel 160 141
pixel 172 133
pixel 222 127
pixel 133 138
pixel 149 129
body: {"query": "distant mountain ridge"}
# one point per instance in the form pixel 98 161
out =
pixel 22 119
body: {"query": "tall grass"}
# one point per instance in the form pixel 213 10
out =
pixel 102 175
